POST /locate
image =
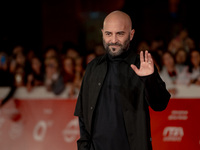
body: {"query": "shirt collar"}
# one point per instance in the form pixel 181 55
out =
pixel 129 59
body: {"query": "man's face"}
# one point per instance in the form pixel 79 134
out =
pixel 116 38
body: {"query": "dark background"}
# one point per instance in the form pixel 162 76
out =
pixel 37 24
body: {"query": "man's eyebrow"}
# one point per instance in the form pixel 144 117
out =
pixel 107 32
pixel 120 32
pixel 116 32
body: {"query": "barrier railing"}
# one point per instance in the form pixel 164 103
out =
pixel 40 120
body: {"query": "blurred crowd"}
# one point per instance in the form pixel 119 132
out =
pixel 53 69
pixel 177 61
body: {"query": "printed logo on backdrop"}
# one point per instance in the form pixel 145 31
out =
pixel 40 129
pixel 71 131
pixel 178 115
pixel 173 134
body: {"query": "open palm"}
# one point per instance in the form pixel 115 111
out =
pixel 146 65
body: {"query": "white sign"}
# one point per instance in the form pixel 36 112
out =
pixel 71 131
pixel 173 134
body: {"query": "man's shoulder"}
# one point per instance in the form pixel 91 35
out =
pixel 96 61
pixel 94 65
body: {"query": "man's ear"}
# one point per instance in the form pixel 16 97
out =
pixel 132 34
pixel 102 31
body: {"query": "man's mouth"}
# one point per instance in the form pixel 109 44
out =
pixel 113 49
pixel 114 46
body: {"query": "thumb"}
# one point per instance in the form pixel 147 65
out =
pixel 134 68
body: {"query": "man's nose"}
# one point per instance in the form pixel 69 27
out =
pixel 114 39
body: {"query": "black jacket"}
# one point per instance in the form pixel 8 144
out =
pixel 140 93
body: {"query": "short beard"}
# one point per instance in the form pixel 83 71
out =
pixel 123 48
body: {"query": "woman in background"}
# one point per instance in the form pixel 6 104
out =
pixel 194 67
pixel 171 74
pixel 36 75
pixel 53 78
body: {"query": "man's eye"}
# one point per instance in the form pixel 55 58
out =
pixel 121 33
pixel 108 34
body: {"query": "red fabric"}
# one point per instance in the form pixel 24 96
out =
pixel 38 125
pixel 50 124
pixel 178 126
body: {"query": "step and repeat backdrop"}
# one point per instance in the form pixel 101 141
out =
pixel 40 120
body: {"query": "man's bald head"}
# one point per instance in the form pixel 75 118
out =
pixel 118 17
pixel 117 32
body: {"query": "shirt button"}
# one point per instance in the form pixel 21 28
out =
pixel 91 108
pixel 99 84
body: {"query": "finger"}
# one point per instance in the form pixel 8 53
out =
pixel 150 59
pixel 141 56
pixel 146 56
pixel 134 68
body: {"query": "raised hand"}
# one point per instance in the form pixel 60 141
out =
pixel 146 64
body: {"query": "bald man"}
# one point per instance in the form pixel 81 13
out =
pixel 116 92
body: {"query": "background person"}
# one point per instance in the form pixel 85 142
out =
pixel 194 67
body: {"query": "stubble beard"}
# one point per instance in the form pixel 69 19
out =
pixel 112 51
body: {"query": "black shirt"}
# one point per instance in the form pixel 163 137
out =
pixel 109 131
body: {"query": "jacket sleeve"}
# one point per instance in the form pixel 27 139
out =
pixel 78 109
pixel 156 93
pixel 84 141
